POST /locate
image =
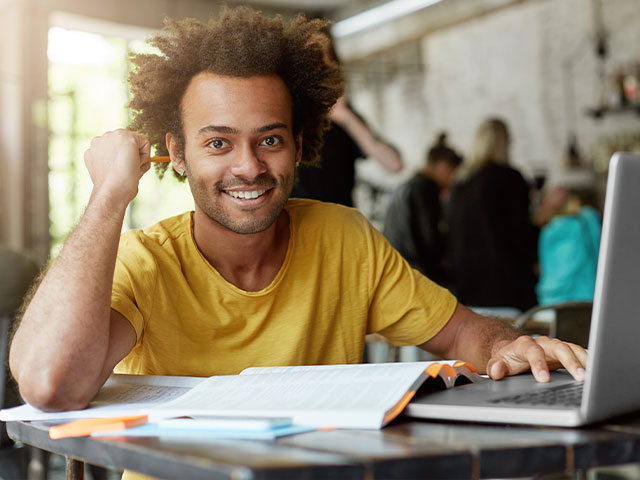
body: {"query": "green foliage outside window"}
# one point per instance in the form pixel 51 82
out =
pixel 88 96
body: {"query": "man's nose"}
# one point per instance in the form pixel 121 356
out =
pixel 247 164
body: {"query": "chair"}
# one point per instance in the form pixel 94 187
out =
pixel 5 322
pixel 568 321
pixel 13 458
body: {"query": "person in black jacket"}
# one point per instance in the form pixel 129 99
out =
pixel 414 223
pixel 492 243
pixel 347 139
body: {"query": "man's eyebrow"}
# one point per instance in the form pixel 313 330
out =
pixel 271 126
pixel 218 129
pixel 235 131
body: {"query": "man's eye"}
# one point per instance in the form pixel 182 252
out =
pixel 217 144
pixel 271 141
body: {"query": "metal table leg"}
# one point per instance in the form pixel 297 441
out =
pixel 75 469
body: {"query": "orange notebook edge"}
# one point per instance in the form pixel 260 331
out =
pixel 470 366
pixel 85 427
pixel 435 369
pixel 399 407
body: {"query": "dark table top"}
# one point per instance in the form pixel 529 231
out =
pixel 405 449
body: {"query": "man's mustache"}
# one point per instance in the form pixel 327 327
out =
pixel 262 180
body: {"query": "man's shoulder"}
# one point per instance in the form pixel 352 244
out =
pixel 305 211
pixel 165 231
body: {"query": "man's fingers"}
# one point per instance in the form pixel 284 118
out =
pixel 580 353
pixel 144 148
pixel 539 355
pixel 536 357
pixel 573 358
pixel 566 355
pixel 497 369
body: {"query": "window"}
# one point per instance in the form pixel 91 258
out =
pixel 88 96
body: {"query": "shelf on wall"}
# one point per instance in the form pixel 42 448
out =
pixel 600 112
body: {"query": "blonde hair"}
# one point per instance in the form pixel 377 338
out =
pixel 490 145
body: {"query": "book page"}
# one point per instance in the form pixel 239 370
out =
pixel 375 387
pixel 359 366
pixel 120 395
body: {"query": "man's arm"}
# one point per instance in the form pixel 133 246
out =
pixel 386 155
pixel 496 348
pixel 69 338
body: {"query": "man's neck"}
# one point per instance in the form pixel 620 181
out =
pixel 250 262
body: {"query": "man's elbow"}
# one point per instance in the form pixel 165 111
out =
pixel 51 393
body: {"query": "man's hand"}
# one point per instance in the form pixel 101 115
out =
pixel 539 355
pixel 116 161
pixel 495 348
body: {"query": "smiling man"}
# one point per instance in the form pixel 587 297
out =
pixel 251 277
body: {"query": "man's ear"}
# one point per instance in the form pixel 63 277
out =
pixel 174 148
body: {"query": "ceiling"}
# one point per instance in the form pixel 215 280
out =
pixel 333 9
pixel 305 5
pixel 364 27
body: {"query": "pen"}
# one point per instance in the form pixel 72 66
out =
pixel 161 159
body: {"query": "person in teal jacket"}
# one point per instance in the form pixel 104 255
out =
pixel 568 254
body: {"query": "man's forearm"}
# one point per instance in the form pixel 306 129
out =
pixel 59 349
pixel 471 337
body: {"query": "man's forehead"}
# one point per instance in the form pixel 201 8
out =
pixel 212 99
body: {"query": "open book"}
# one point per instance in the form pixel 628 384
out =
pixel 341 396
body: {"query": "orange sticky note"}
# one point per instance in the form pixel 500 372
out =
pixel 83 428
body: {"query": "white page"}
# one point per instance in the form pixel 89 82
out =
pixel 359 367
pixel 120 395
pixel 375 387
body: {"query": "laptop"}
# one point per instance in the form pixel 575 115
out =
pixel 611 387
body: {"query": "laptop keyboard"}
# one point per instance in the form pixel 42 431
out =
pixel 569 394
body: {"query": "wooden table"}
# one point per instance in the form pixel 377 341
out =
pixel 405 449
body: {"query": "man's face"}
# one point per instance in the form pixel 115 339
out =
pixel 239 150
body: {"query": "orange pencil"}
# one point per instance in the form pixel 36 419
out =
pixel 83 428
pixel 161 159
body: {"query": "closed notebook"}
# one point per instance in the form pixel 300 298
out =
pixel 85 427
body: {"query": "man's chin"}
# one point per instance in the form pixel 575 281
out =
pixel 244 226
pixel 248 228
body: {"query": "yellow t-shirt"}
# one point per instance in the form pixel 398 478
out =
pixel 339 281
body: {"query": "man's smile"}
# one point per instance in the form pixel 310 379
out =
pixel 248 194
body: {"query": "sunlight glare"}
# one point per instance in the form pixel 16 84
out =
pixel 77 48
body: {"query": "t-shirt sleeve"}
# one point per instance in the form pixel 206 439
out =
pixel 406 307
pixel 133 281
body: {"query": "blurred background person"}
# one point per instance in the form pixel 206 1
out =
pixel 347 139
pixel 414 223
pixel 568 249
pixel 492 243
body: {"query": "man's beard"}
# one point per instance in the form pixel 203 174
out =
pixel 254 220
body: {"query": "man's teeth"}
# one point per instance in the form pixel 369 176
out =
pixel 246 195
